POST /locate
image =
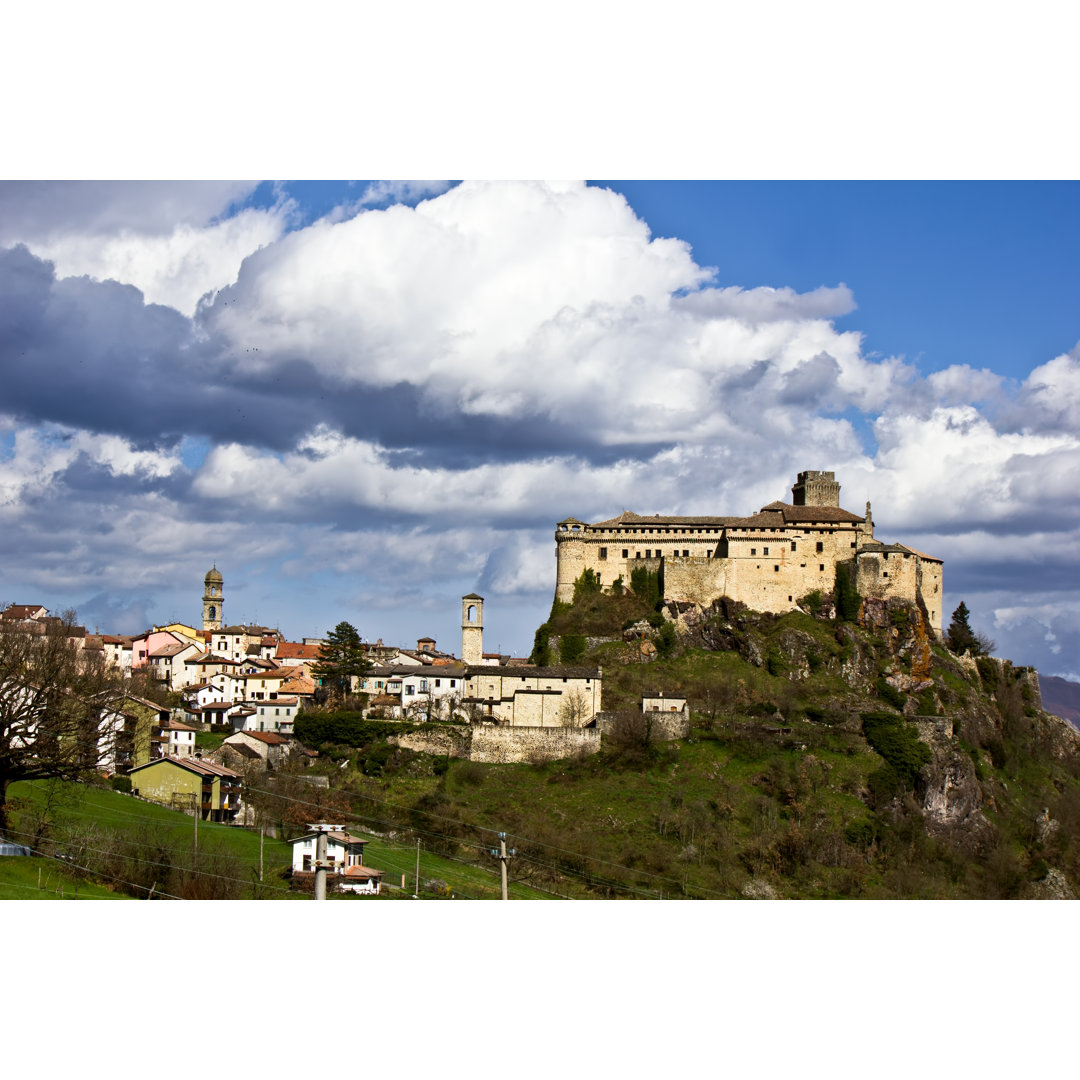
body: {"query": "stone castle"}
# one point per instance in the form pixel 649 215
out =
pixel 768 560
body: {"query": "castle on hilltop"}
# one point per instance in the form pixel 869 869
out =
pixel 768 560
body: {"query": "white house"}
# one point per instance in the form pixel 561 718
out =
pixel 277 716
pixel 344 857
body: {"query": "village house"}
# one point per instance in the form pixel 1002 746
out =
pixel 193 784
pixel 344 859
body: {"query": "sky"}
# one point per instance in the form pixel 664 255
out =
pixel 362 400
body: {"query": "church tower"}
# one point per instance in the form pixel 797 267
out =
pixel 212 600
pixel 472 629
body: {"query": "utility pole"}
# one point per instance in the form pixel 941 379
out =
pixel 503 858
pixel 416 889
pixel 262 829
pixel 320 861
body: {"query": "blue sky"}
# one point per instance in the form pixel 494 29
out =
pixel 362 400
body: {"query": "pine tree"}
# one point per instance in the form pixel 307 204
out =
pixel 341 658
pixel 960 637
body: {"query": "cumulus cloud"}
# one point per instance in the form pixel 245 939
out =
pixel 167 239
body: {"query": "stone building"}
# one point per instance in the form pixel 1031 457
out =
pixel 522 695
pixel 768 560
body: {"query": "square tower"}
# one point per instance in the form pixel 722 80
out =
pixel 814 488
pixel 472 629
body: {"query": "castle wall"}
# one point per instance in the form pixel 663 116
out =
pixel 613 553
pixel 885 574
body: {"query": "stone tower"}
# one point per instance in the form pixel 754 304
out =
pixel 212 600
pixel 472 629
pixel 813 488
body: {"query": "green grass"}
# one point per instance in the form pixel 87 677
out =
pixel 24 877
pixel 82 805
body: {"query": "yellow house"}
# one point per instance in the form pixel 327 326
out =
pixel 187 783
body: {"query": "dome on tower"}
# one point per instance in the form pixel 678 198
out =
pixel 213 575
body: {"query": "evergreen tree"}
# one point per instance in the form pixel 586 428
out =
pixel 341 658
pixel 960 637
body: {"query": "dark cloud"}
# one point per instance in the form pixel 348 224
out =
pixel 42 209
pixel 94 355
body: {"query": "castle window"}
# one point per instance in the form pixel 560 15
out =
pixel 821 566
pixel 753 551
pixel 777 569
pixel 852 543
pixel 686 552
pixel 637 554
pixel 764 551
pixel 885 573
pixel 793 545
pixel 603 553
pixel 626 553
pixel 820 546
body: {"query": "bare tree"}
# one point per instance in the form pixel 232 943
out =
pixel 52 693
pixel 574 712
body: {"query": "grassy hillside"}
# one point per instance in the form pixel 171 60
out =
pixel 826 759
pixel 129 846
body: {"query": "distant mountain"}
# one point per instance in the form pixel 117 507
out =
pixel 1061 697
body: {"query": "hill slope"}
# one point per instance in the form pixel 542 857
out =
pixel 826 759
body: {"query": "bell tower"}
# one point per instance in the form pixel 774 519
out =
pixel 472 629
pixel 212 600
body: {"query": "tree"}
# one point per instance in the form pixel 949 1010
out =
pixel 341 659
pixel 848 600
pixel 961 638
pixel 575 711
pixel 54 694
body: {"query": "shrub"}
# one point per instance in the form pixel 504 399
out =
pixel 898 743
pixel 775 663
pixel 572 648
pixel 666 639
pixel 889 693
pixel 861 834
pixel 812 602
pixel 645 584
pixel 541 652
pixel 120 783
pixel 586 585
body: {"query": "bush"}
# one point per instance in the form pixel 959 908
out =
pixel 572 648
pixel 812 602
pixel 889 693
pixel 898 743
pixel 541 653
pixel 645 584
pixel 666 639
pixel 120 783
pixel 586 585
pixel 348 728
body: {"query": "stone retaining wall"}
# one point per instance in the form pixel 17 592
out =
pixel 502 745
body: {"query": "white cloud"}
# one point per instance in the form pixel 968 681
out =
pixel 168 240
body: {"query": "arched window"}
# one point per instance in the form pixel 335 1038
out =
pixel 213 612
pixel 472 613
